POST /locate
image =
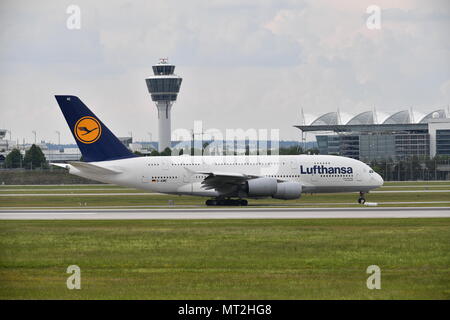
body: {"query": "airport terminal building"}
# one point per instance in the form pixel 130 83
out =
pixel 396 138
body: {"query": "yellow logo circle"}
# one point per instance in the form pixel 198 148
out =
pixel 88 130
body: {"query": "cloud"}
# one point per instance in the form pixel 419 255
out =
pixel 247 65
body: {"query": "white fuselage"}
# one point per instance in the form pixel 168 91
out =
pixel 180 174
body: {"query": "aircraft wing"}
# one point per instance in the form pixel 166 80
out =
pixel 224 182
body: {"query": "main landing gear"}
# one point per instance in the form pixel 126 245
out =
pixel 226 202
pixel 361 199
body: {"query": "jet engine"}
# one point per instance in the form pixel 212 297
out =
pixel 288 190
pixel 261 187
pixel 269 187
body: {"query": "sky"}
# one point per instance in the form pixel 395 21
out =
pixel 245 64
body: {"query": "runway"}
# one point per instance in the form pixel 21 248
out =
pixel 224 213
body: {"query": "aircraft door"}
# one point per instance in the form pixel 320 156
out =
pixel 145 179
pixel 165 164
pixel 187 184
pixel 145 176
pixel 294 165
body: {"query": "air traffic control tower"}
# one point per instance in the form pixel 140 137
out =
pixel 164 87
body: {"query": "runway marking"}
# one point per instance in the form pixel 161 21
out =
pixel 228 213
pixel 76 194
pixel 52 213
pixel 401 191
pixel 65 189
pixel 267 205
pixel 59 185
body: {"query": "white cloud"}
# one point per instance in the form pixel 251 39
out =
pixel 251 64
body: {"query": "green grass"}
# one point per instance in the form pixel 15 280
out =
pixel 152 199
pixel 72 191
pixel 226 259
pixel 76 200
pixel 62 186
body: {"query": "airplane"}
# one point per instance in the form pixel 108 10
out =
pixel 226 180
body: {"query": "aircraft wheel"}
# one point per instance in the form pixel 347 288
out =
pixel 361 199
pixel 226 202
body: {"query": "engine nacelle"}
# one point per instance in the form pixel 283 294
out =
pixel 261 187
pixel 288 190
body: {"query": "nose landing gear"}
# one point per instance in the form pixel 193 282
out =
pixel 361 199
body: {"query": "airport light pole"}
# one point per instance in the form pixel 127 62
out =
pixel 59 137
pixel 435 169
pixel 194 140
pixel 150 142
pixel 10 141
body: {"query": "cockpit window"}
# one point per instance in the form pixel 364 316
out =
pixel 370 171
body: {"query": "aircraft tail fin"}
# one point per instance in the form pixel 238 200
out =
pixel 95 140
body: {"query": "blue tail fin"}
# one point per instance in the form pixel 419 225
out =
pixel 94 139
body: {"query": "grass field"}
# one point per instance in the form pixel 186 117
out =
pixel 75 200
pixel 226 259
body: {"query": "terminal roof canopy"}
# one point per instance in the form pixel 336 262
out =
pixel 401 121
pixel 330 118
pixel 437 114
pixel 398 118
pixel 363 118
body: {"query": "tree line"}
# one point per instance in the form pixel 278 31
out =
pixel 34 158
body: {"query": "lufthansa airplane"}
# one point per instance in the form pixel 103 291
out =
pixel 226 180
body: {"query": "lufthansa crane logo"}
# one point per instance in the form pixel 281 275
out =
pixel 88 130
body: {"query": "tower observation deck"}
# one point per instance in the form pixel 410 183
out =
pixel 164 86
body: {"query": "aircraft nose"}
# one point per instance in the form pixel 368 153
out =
pixel 379 179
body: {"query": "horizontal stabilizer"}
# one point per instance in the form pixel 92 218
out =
pixel 61 165
pixel 86 167
pixel 93 168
